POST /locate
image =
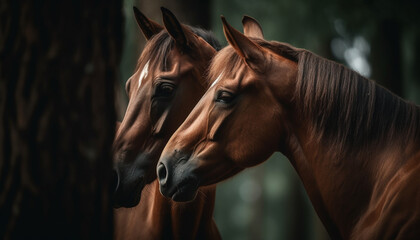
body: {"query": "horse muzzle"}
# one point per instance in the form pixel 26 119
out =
pixel 176 181
pixel 130 179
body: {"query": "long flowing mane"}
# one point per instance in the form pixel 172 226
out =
pixel 347 110
pixel 158 47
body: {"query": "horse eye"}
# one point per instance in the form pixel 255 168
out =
pixel 224 97
pixel 165 90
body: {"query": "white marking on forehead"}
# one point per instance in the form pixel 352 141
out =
pixel 217 79
pixel 144 72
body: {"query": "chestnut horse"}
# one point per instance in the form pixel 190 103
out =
pixel 355 145
pixel 168 82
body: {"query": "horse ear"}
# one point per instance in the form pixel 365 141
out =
pixel 147 26
pixel 252 28
pixel 180 34
pixel 252 54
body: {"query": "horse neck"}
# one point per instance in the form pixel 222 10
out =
pixel 157 217
pixel 341 189
pixel 341 184
pixel 326 183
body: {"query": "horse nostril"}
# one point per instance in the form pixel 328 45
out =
pixel 115 180
pixel 162 174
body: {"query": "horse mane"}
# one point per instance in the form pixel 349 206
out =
pixel 329 93
pixel 207 36
pixel 347 111
pixel 158 47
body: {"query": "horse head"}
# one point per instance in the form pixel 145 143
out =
pixel 167 83
pixel 236 123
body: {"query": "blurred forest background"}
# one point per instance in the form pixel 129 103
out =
pixel 379 39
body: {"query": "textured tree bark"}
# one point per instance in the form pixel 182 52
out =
pixel 58 64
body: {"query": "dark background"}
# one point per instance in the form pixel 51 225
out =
pixel 58 71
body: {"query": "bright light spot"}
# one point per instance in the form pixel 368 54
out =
pixel 357 61
pixel 354 51
pixel 362 45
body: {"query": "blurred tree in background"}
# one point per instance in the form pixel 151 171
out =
pixel 58 68
pixel 379 39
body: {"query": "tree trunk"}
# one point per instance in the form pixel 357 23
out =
pixel 58 63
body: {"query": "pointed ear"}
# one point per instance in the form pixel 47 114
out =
pixel 180 34
pixel 252 28
pixel 147 26
pixel 252 54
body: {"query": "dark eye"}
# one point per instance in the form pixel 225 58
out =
pixel 165 90
pixel 224 97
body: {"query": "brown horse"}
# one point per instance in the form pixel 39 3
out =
pixel 167 84
pixel 355 145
